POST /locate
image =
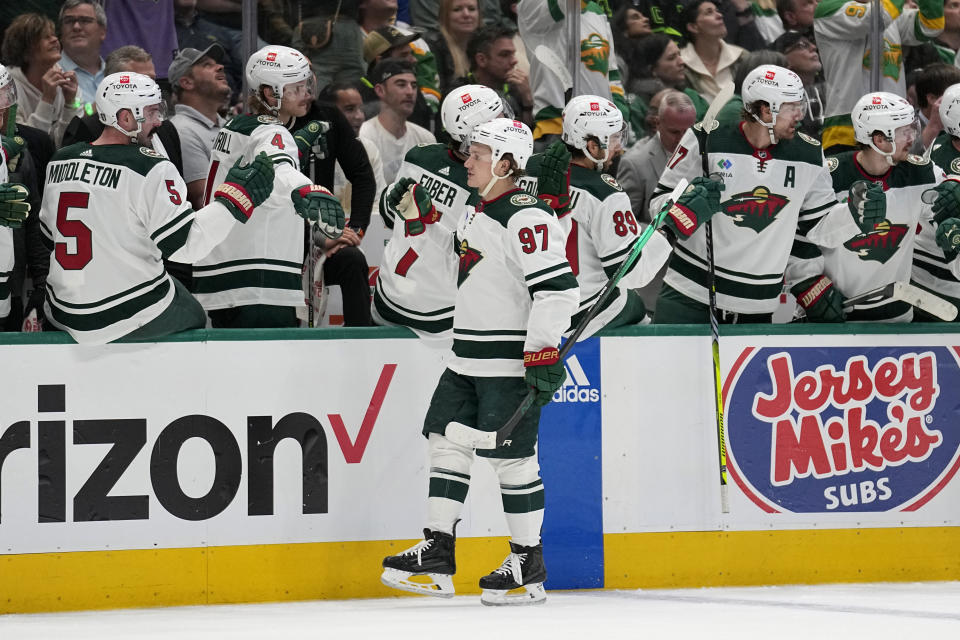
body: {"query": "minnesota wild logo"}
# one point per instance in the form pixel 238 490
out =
pixel 595 53
pixel 880 244
pixel 955 165
pixel 469 257
pixel 754 209
pixel 892 56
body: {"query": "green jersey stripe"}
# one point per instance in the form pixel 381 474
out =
pixel 805 250
pixel 726 286
pixel 553 269
pixel 173 223
pixel 438 312
pixel 491 332
pixel 103 319
pixel 557 283
pixel 445 488
pixel 391 315
pixel 248 278
pixel 701 263
pixel 523 503
pixel 106 301
pixel 175 241
pixel 488 349
pixel 585 307
pixel 247 262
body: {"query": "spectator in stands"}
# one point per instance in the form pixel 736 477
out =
pixel 349 101
pixel 200 87
pixel 493 63
pixel 328 35
pixel 425 13
pixel 931 82
pixel 804 60
pixel 31 257
pixel 195 32
pixel 83 28
pixel 630 27
pixel 47 95
pixel 10 10
pixel 641 166
pixel 709 59
pixel 390 42
pixel 396 86
pixel 458 20
pixel 149 25
pixel 797 15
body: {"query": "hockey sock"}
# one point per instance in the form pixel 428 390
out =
pixel 449 482
pixel 521 491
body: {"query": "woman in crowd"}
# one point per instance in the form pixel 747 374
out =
pixel 458 20
pixel 709 59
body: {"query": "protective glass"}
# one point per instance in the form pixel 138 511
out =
pixel 904 136
pixel 155 113
pixel 8 95
pixel 793 111
pixel 299 90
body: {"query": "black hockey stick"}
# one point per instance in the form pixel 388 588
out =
pixel 477 439
pixel 708 124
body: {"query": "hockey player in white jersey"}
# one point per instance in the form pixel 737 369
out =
pixel 417 282
pixel 596 213
pixel 13 205
pixel 515 297
pixel 253 278
pixel 112 209
pixel 776 189
pixel 868 242
pixel 934 263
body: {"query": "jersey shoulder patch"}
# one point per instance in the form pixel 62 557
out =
pixel 610 180
pixel 917 160
pixel 267 120
pixel 832 163
pixel 523 200
pixel 808 139
pixel 150 153
pixel 955 166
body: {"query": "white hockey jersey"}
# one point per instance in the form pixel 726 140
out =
pixel 6 251
pixel 931 269
pixel 110 214
pixel 261 261
pixel 859 262
pixel 417 283
pixel 601 231
pixel 772 198
pixel 515 292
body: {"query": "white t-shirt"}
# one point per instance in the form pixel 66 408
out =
pixel 393 149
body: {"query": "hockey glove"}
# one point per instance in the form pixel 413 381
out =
pixel 947 204
pixel 553 182
pixel 12 147
pixel 820 299
pixel 397 192
pixel 948 237
pixel 417 210
pixel 13 205
pixel 246 187
pixel 316 204
pixel 694 207
pixel 312 138
pixel 867 204
pixel 544 371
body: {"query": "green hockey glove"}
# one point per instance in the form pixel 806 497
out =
pixel 867 204
pixel 947 204
pixel 948 237
pixel 553 181
pixel 820 299
pixel 14 207
pixel 397 192
pixel 316 204
pixel 544 371
pixel 246 187
pixel 312 137
pixel 12 147
pixel 694 207
pixel 417 210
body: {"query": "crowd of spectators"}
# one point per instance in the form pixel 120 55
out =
pixel 384 66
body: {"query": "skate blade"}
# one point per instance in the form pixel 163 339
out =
pixel 438 585
pixel 529 594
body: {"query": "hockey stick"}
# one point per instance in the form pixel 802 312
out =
pixel 708 124
pixel 475 438
pixel 914 296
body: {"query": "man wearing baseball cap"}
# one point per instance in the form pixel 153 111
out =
pixel 200 85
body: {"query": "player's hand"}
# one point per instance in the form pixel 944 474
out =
pixel 820 299
pixel 397 192
pixel 867 204
pixel 316 204
pixel 14 207
pixel 695 206
pixel 544 371
pixel 312 137
pixel 12 150
pixel 417 210
pixel 553 182
pixel 948 237
pixel 246 186
pixel 947 204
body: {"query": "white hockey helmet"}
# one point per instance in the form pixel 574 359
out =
pixel 503 136
pixel 587 117
pixel 133 91
pixel 889 114
pixel 276 67
pixel 777 87
pixel 8 89
pixel 949 110
pixel 467 106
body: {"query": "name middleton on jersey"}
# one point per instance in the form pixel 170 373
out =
pixel 88 172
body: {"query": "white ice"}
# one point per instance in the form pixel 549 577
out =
pixel 917 611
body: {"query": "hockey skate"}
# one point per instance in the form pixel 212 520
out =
pixel 426 568
pixel 522 572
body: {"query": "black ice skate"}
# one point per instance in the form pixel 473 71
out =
pixel 432 561
pixel 524 569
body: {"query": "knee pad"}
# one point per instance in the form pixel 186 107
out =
pixel 445 455
pixel 516 472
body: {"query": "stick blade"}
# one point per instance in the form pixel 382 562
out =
pixel 932 304
pixel 470 437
